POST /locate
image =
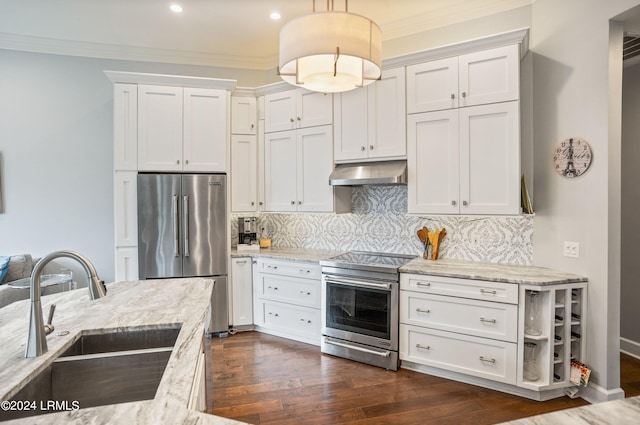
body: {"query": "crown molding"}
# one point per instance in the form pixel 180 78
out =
pixel 170 80
pixel 131 53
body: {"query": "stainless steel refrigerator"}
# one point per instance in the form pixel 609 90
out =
pixel 182 232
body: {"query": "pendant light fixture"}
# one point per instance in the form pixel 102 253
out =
pixel 330 51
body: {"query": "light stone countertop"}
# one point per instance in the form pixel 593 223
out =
pixel 495 272
pixel 128 305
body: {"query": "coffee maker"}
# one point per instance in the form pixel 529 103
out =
pixel 247 230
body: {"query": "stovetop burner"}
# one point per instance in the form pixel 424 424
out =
pixel 363 260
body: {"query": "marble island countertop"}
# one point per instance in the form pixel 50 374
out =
pixel 128 305
pixel 495 272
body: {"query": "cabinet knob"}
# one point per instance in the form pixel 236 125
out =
pixel 260 203
pixel 453 96
pixel 252 203
pixel 293 202
pixel 362 148
pixel 251 126
pixel 299 119
pixel 177 161
pixel 299 202
pixel 465 203
pixel 371 147
pixel 291 119
pixel 454 203
pixel 464 94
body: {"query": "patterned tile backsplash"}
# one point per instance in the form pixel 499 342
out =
pixel 379 222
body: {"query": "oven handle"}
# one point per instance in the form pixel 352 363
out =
pixel 357 348
pixel 360 283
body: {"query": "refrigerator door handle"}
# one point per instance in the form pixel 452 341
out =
pixel 185 213
pixel 176 226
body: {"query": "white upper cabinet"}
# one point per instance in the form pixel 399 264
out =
pixel 243 115
pixel 478 78
pixel 125 127
pixel 298 108
pixel 244 173
pixel 297 168
pixel 369 123
pixel 465 161
pixel 182 129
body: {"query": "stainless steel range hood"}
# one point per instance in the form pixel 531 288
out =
pixel 369 173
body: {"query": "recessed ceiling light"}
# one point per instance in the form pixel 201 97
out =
pixel 275 16
pixel 176 8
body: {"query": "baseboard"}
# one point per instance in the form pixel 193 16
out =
pixel 630 347
pixel 596 394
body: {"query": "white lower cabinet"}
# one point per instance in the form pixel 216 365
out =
pixel 482 357
pixel 514 337
pixel 286 299
pixel 241 292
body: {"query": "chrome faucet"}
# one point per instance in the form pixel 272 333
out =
pixel 37 342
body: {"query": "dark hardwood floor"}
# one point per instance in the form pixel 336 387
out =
pixel 263 379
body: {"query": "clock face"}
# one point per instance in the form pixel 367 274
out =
pixel 572 157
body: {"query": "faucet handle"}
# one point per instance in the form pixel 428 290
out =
pixel 48 328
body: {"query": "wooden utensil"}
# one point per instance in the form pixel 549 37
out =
pixel 423 234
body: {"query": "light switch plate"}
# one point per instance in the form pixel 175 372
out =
pixel 571 249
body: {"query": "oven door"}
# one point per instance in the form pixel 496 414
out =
pixel 362 311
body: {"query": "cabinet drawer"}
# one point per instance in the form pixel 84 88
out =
pixel 465 288
pixel 288 289
pixel 295 320
pixel 485 358
pixel 472 317
pixel 290 268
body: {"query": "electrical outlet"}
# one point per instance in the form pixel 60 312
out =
pixel 571 249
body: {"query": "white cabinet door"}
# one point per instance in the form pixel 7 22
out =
pixel 432 86
pixel 244 168
pixel 433 164
pixel 126 208
pixel 490 159
pixel 243 115
pixel 280 111
pixel 314 145
pixel 242 291
pixel 126 264
pixel 387 115
pixel 350 125
pixel 260 167
pixel 280 171
pixel 125 127
pixel 489 76
pixel 313 108
pixel 205 130
pixel 159 128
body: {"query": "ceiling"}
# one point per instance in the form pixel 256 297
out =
pixel 226 33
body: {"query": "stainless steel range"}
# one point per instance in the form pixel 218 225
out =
pixel 360 306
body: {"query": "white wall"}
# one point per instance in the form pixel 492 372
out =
pixel 577 93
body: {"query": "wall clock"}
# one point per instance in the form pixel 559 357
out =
pixel 572 157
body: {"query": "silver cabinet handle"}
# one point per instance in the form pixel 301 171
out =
pixel 486 291
pixel 423 347
pixel 176 225
pixel 241 262
pixel 453 203
pixel 272 287
pixel 185 217
pixel 419 310
pixel 305 293
pixel 482 359
pixel 426 284
pixel 274 314
pixel 482 319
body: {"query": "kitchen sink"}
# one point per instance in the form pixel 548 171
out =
pixel 100 369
